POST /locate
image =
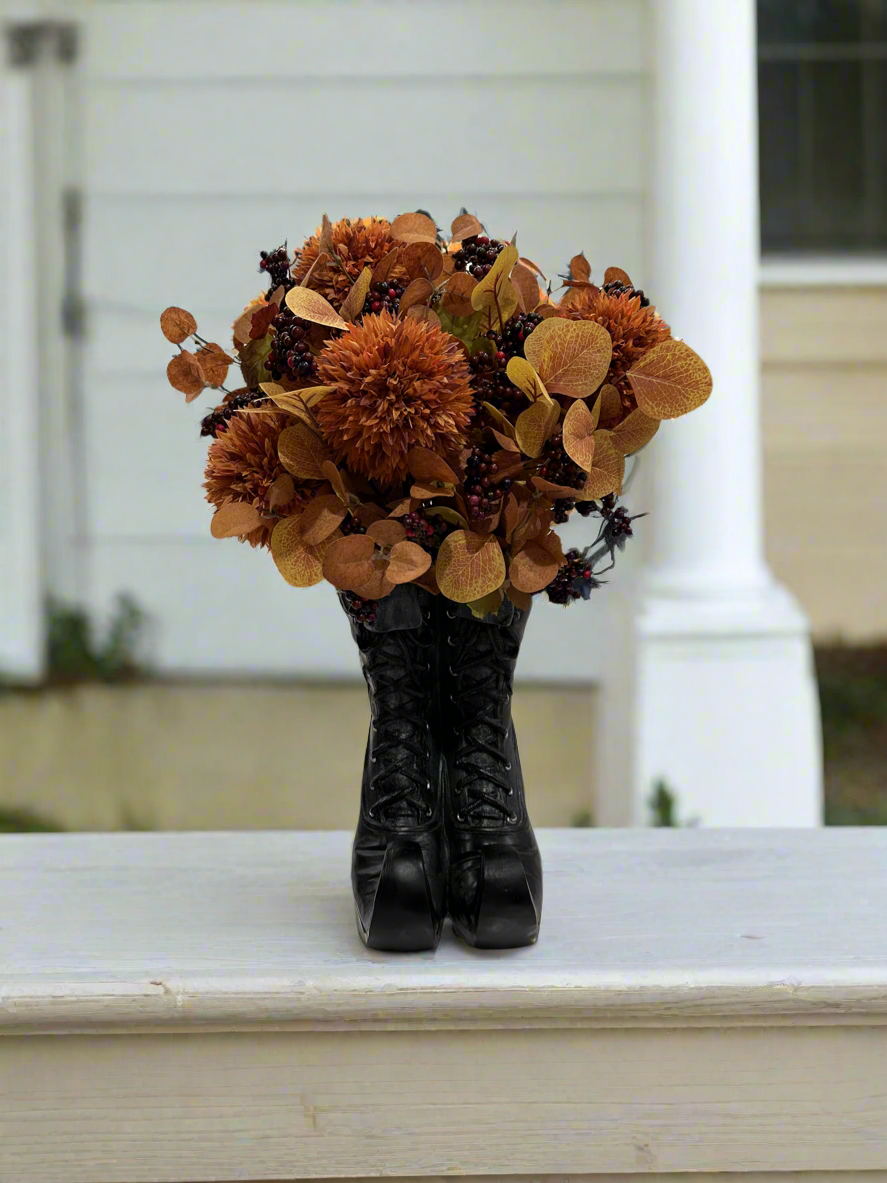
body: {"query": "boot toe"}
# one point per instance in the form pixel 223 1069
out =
pixel 496 897
pixel 397 913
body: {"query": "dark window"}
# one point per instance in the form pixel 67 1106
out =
pixel 822 96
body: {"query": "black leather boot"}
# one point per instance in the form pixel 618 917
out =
pixel 398 866
pixel 495 872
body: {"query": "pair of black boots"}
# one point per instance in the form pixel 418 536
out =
pixel 443 826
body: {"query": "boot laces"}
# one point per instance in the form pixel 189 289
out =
pixel 481 668
pixel 399 781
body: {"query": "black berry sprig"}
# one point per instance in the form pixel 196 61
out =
pixel 216 422
pixel 477 255
pixel 384 296
pixel 482 495
pixel 276 265
pixel 359 609
pixel 290 355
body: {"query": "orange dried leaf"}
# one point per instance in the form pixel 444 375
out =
pixel 457 297
pixel 617 275
pixel 521 373
pixel 417 292
pixel 183 373
pixel 547 310
pixel 414 228
pixel 407 562
pixel 261 319
pixel 465 226
pixel 634 432
pixel 551 490
pixel 507 443
pixel 579 425
pixel 352 305
pixel 235 519
pixel 301 452
pixel 422 260
pixel 282 491
pixel 310 305
pixel 532 569
pixel 511 515
pixel 490 287
pixel 520 599
pixel 213 363
pixel 609 403
pixel 570 356
pixel 426 465
pixel 378 585
pixel 386 265
pixel 348 562
pixel 533 266
pixel 424 313
pixel 300 565
pixel 497 417
pixel 322 517
pixel 334 477
pixel 608 470
pixel 469 566
pixel 532 427
pixel 423 490
pixel 670 380
pixel 526 286
pixel 176 324
pixel 386 532
pixel 580 268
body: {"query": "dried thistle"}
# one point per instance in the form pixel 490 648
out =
pixel 243 467
pixel 358 243
pixel 397 385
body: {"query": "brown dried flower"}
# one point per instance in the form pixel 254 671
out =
pixel 634 328
pixel 359 243
pixel 242 466
pixel 398 384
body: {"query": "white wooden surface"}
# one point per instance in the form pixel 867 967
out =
pixel 186 168
pixel 198 1007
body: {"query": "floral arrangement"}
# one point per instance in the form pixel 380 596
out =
pixel 423 409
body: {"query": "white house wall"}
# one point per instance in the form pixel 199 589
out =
pixel 212 130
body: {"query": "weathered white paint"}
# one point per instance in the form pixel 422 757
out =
pixel 198 1007
pixel 719 693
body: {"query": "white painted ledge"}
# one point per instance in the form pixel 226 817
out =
pixel 817 271
pixel 187 1007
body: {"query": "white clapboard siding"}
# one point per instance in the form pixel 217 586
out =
pixel 211 130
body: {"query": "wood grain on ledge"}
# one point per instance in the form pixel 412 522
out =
pixel 255 931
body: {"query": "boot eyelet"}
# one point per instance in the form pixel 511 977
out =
pixel 426 614
pixel 451 698
pixel 451 671
pixel 374 759
pixel 429 811
pixel 508 769
pixel 460 817
pixel 512 817
pixel 451 615
pixel 451 642
pixel 509 792
pixel 371 813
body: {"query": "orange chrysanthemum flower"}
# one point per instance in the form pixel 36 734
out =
pixel 359 243
pixel 635 329
pixel 242 465
pixel 399 384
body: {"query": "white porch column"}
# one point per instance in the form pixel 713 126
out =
pixel 719 696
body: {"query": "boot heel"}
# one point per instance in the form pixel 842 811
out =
pixel 507 915
pixel 403 918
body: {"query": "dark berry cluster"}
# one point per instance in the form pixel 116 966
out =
pixel 276 265
pixel 477 255
pixel 290 355
pixel 351 525
pixel 562 508
pixel 215 422
pixel 483 497
pixel 428 534
pixel 557 466
pixel 492 385
pixel 359 609
pixel 574 581
pixel 615 288
pixel 617 521
pixel 385 295
pixel 511 343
